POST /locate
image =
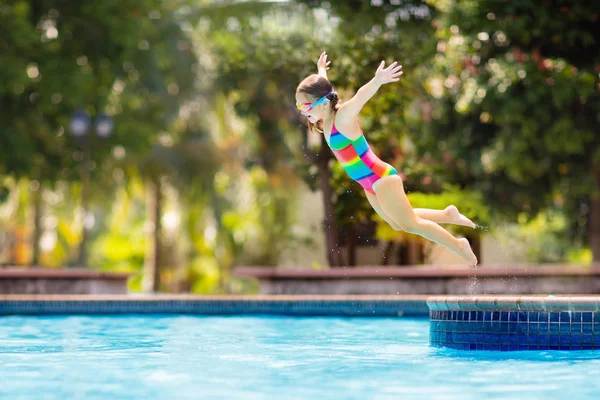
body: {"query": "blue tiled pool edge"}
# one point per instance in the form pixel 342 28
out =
pixel 346 306
pixel 512 323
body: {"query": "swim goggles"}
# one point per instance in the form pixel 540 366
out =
pixel 306 107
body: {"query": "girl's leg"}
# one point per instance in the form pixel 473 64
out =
pixel 394 203
pixel 449 215
pixel 375 204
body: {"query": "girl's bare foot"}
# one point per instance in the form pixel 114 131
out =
pixel 466 252
pixel 457 218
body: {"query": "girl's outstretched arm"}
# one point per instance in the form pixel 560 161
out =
pixel 382 76
pixel 323 65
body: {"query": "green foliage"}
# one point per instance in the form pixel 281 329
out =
pixel 251 57
pixel 513 102
pixel 54 62
pixel 542 239
pixel 362 35
pixel 350 203
pixel 499 99
pixel 130 59
pixel 204 274
pixel 121 246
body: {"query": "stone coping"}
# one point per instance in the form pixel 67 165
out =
pixel 214 298
pixel 56 273
pixel 426 271
pixel 286 305
pixel 515 303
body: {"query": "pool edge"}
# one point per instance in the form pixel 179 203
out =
pixel 290 305
pixel 512 323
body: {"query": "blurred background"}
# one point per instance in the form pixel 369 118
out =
pixel 160 137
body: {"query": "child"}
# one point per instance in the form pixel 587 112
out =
pixel 318 102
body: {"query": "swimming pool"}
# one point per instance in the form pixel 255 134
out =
pixel 185 357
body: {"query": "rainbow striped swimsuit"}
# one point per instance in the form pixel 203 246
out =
pixel 359 161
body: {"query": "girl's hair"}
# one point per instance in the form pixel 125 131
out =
pixel 315 86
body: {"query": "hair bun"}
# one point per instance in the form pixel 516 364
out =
pixel 333 99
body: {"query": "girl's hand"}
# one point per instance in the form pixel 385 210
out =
pixel 389 74
pixel 323 63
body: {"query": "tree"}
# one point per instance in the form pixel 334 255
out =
pixel 189 165
pixel 130 59
pixel 250 60
pixel 362 34
pixel 357 35
pixel 513 105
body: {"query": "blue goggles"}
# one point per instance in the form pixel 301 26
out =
pixel 306 107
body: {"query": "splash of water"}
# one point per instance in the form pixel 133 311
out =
pixel 473 285
pixel 482 227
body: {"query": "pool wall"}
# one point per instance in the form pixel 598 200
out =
pixel 346 306
pixel 38 281
pixel 509 323
pixel 429 279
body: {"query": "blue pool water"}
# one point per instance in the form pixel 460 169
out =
pixel 186 357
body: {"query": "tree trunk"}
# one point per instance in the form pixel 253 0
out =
pixel 334 255
pixel 351 234
pixel 36 197
pixel 417 256
pixel 151 281
pixel 594 217
pixel 411 252
pixel 387 252
pixel 226 246
pixel 85 183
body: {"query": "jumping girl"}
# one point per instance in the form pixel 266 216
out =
pixel 319 103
